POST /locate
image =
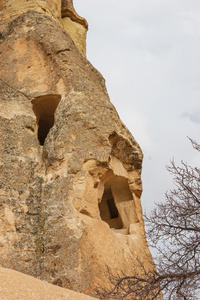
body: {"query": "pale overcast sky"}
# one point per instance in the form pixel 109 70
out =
pixel 149 53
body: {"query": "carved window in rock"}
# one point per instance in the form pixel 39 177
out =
pixel 44 108
pixel 117 206
pixel 108 209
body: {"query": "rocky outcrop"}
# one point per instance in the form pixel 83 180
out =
pixel 67 10
pixel 75 25
pixel 70 169
pixel 15 285
pixel 9 8
pixel 61 11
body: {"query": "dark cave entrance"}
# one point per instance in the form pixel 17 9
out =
pixel 44 108
pixel 112 208
pixel 108 209
pixel 117 207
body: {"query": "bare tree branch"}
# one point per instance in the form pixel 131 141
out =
pixel 173 230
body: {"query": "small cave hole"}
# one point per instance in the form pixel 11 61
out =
pixel 108 209
pixel 44 108
pixel 117 206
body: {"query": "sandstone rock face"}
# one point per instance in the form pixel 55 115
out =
pixel 77 32
pixel 10 8
pixel 70 170
pixel 62 11
pixel 15 285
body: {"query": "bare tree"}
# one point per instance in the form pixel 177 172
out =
pixel 173 230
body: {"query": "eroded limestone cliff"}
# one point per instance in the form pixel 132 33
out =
pixel 70 169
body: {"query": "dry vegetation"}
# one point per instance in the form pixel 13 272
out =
pixel 173 231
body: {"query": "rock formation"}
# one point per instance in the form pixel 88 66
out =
pixel 60 11
pixel 70 169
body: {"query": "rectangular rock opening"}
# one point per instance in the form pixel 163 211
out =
pixel 117 206
pixel 108 210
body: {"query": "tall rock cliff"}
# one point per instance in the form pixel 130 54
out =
pixel 70 169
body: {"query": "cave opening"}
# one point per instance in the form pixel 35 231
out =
pixel 117 206
pixel 108 209
pixel 44 108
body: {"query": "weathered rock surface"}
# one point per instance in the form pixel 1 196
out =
pixel 15 285
pixel 70 170
pixel 9 8
pixel 61 11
